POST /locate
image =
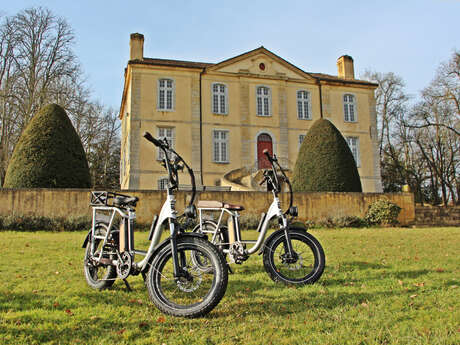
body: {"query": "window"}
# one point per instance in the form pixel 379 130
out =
pixel 263 101
pixel 168 133
pixel 301 139
pixel 353 143
pixel 219 99
pixel 163 183
pixel 166 94
pixel 303 105
pixel 220 146
pixel 349 108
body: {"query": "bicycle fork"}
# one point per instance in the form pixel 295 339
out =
pixel 179 259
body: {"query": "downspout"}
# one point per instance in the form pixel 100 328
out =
pixel 318 81
pixel 201 132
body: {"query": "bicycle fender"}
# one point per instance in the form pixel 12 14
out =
pixel 166 242
pixel 85 242
pixel 296 226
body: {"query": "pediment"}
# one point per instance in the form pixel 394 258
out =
pixel 260 62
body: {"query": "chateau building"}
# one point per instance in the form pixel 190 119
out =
pixel 221 116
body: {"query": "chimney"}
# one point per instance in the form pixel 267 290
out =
pixel 345 67
pixel 136 47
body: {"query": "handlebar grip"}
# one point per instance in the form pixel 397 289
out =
pixel 149 137
pixel 265 152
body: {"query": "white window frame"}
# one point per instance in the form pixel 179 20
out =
pixel 301 139
pixel 166 89
pixel 222 99
pixel 303 105
pixel 162 183
pixel 353 144
pixel 348 106
pixel 162 133
pixel 266 107
pixel 222 144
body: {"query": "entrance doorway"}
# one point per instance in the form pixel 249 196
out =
pixel 264 141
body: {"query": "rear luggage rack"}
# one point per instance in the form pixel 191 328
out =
pixel 104 198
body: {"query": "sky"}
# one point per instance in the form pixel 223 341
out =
pixel 407 37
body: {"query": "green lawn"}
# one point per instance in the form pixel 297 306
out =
pixel 380 286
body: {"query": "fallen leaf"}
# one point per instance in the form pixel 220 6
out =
pixel 365 305
pixel 35 291
pixel 413 296
pixel 121 331
pixel 440 270
pixel 56 304
pixel 143 324
pixel 161 319
pixel 454 287
pixel 422 284
pixel 18 322
pixel 400 282
pixel 68 312
pixel 57 272
pixel 27 244
pixel 94 317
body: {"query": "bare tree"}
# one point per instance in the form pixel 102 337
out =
pixel 104 153
pixel 391 104
pixel 38 67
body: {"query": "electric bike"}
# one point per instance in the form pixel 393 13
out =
pixel 290 254
pixel 176 284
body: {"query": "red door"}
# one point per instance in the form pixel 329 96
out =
pixel 264 141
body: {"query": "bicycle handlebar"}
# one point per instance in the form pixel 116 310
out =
pixel 174 167
pixel 154 141
pixel 277 187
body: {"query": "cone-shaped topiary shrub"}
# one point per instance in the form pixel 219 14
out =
pixel 325 162
pixel 49 154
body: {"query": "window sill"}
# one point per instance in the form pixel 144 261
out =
pixel 264 115
pixel 221 162
pixel 302 119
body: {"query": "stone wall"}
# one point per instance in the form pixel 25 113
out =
pixel 312 206
pixel 437 216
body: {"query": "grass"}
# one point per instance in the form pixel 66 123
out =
pixel 380 286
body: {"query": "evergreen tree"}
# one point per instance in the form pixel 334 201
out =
pixel 325 162
pixel 49 154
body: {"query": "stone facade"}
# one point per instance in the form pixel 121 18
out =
pixel 244 115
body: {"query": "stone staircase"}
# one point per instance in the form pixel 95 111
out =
pixel 244 179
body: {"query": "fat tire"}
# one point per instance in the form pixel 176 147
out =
pixel 111 270
pixel 214 295
pixel 311 242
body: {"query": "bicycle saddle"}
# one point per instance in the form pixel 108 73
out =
pixel 120 201
pixel 218 204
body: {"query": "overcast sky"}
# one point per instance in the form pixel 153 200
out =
pixel 408 37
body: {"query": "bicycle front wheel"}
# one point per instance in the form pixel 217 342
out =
pixel 200 290
pixel 304 266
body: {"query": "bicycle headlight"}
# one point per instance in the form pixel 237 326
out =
pixel 190 211
pixel 293 211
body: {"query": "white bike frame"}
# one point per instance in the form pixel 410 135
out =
pixel 168 212
pixel 273 211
